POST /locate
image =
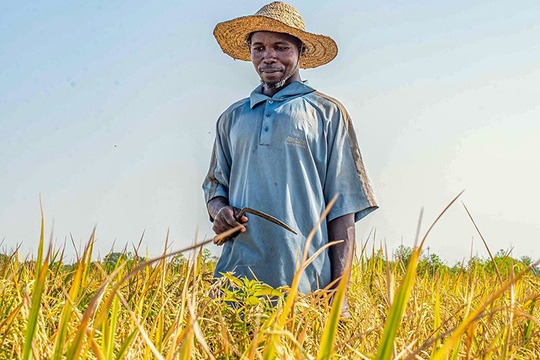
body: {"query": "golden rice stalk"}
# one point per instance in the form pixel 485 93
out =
pixel 326 349
pixel 39 285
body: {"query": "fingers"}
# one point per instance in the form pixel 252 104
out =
pixel 220 239
pixel 226 220
pixel 237 216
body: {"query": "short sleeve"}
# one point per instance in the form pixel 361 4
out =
pixel 346 175
pixel 216 182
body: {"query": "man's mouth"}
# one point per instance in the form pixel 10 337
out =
pixel 270 70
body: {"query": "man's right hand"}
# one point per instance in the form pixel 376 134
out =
pixel 226 217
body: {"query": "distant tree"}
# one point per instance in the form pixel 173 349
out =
pixel 475 261
pixel 177 263
pixel 403 254
pixel 112 259
pixel 431 264
pixel 526 260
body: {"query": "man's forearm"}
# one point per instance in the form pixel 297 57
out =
pixel 341 228
pixel 216 204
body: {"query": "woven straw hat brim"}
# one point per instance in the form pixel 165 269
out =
pixel 232 38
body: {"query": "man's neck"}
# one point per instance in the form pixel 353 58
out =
pixel 272 90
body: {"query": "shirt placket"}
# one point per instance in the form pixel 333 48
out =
pixel 268 117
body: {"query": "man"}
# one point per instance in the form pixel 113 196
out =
pixel 287 150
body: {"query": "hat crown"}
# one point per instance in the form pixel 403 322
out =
pixel 284 13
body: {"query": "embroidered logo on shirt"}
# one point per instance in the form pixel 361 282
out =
pixel 296 139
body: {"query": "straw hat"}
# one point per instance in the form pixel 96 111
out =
pixel 278 17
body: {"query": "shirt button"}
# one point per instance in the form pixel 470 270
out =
pixel 270 101
pixel 266 129
pixel 267 114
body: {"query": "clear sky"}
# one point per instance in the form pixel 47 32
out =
pixel 107 109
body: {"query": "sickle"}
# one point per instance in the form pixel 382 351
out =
pixel 265 216
pixel 220 240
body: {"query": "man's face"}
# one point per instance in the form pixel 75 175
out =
pixel 275 57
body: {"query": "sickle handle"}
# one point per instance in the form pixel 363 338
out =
pixel 242 212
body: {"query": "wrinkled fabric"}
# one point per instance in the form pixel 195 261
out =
pixel 288 156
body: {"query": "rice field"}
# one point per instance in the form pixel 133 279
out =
pixel 406 306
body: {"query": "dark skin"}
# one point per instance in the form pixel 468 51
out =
pixel 275 57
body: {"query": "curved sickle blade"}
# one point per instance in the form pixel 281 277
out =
pixel 265 216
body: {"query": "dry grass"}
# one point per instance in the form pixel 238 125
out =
pixel 169 308
pixel 94 310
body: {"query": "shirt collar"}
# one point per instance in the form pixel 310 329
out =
pixel 293 89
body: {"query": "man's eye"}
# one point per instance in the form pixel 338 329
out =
pixel 282 48
pixel 257 48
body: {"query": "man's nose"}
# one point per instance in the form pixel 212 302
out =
pixel 269 55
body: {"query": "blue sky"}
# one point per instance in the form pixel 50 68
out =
pixel 107 110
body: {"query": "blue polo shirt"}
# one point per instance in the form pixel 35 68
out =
pixel 286 155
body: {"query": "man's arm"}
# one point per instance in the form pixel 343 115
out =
pixel 341 228
pixel 225 216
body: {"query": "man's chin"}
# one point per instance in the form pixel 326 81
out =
pixel 273 84
pixel 270 85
